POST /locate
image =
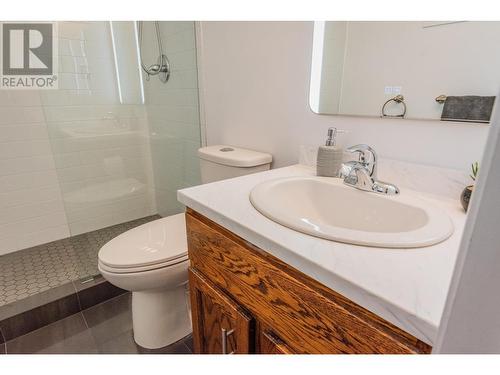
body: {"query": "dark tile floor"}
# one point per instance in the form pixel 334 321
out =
pixel 105 328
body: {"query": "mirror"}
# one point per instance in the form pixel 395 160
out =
pixel 414 70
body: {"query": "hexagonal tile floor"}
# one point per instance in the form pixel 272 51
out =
pixel 36 269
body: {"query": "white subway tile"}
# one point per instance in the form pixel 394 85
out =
pixel 91 140
pixel 26 165
pixel 72 174
pixel 66 160
pixel 28 180
pixel 29 196
pixel 9 244
pixel 97 222
pixel 180 41
pixel 44 236
pixel 20 98
pixel 183 60
pixel 22 149
pixel 23 228
pixel 26 211
pixel 21 115
pixel 20 132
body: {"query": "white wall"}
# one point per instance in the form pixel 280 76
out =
pixel 470 322
pixel 256 92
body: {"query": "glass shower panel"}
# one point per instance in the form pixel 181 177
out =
pixel 173 113
pixel 103 153
pixel 122 144
pixel 98 127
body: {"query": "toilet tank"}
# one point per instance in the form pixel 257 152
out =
pixel 220 162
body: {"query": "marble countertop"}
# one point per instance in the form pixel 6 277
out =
pixel 407 287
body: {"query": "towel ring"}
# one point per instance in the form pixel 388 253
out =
pixel 397 99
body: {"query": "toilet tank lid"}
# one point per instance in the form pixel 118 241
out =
pixel 234 156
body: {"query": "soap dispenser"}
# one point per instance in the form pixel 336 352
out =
pixel 329 160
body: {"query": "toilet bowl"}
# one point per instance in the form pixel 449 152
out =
pixel 151 260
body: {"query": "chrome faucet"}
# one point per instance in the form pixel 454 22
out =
pixel 362 174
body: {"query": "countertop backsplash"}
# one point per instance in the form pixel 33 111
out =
pixel 440 181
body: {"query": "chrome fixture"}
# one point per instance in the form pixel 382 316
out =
pixel 162 66
pixel 224 336
pixel 362 174
pixel 441 99
pixel 399 99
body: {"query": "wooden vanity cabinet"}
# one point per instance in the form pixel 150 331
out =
pixel 243 300
pixel 220 325
pixel 269 343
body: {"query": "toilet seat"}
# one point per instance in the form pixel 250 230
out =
pixel 157 244
pixel 152 267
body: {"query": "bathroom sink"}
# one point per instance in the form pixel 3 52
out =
pixel 326 208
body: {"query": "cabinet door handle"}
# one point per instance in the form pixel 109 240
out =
pixel 224 335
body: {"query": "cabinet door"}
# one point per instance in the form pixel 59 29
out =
pixel 220 325
pixel 270 343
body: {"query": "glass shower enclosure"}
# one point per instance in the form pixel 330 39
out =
pixel 104 152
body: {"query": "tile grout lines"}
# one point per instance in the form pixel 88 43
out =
pixel 30 271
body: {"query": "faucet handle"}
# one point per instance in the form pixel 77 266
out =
pixel 367 156
pixel 362 149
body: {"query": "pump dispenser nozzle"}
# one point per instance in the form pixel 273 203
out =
pixel 332 134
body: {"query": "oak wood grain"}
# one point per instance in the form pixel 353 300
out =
pixel 212 311
pixel 308 316
pixel 270 343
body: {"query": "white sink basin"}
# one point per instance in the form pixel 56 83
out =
pixel 326 208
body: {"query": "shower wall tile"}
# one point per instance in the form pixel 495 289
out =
pixel 167 202
pixel 100 147
pixel 186 114
pixel 76 159
pixel 73 159
pixel 21 149
pixel 186 79
pixel 183 60
pixel 26 132
pixel 173 115
pixel 16 166
pixel 76 97
pixel 16 114
pixel 31 205
pixel 32 195
pixel 10 214
pixel 83 30
pixel 32 225
pixel 16 98
pixel 43 236
pixel 40 179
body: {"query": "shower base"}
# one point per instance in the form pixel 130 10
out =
pixel 31 271
pixel 49 282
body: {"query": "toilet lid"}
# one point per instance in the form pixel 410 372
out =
pixel 156 242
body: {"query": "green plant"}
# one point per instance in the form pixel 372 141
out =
pixel 475 171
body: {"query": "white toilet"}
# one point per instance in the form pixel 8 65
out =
pixel 152 261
